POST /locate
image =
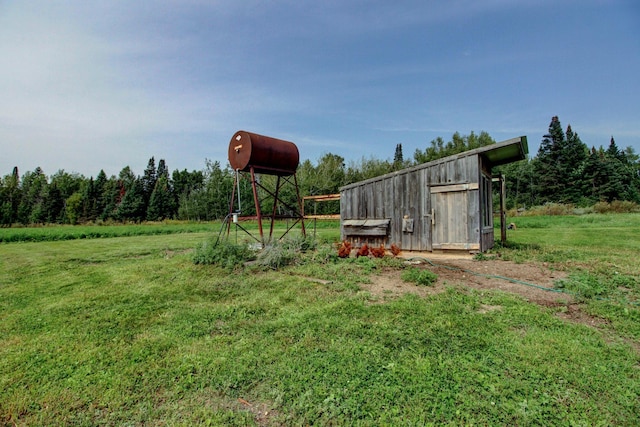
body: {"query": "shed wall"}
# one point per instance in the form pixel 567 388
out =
pixel 405 199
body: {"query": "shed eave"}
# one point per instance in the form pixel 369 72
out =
pixel 507 152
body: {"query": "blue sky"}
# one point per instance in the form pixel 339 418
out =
pixel 90 85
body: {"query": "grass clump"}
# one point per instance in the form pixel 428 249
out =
pixel 223 253
pixel 419 276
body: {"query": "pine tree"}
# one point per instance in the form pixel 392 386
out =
pixel 111 196
pixel 10 198
pixel 30 209
pixel 89 202
pixel 162 169
pixel 161 204
pixel 53 204
pixel 132 206
pixel 102 196
pixel 573 159
pixel 162 201
pixel 398 159
pixel 149 179
pixel 549 168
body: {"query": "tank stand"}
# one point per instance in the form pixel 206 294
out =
pixel 294 213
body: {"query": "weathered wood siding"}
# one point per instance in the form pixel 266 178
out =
pixel 406 199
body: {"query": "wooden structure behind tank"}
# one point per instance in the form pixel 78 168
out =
pixel 251 154
pixel 446 204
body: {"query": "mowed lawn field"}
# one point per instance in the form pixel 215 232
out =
pixel 127 330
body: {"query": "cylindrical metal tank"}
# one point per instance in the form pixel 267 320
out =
pixel 267 155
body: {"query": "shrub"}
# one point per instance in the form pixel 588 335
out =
pixel 224 254
pixel 419 276
pixel 285 252
pixel 275 256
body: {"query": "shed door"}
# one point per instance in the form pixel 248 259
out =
pixel 453 217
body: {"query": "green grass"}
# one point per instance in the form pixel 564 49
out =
pixel 600 254
pixel 73 232
pixel 419 276
pixel 129 331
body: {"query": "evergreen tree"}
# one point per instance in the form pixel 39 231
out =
pixel 573 158
pixel 10 195
pixel 149 179
pixel 161 204
pixel 113 191
pixel 162 169
pixel 132 206
pixel 614 152
pixel 602 182
pixel 101 194
pixel 550 171
pixel 53 204
pixel 162 201
pixel 30 209
pixel 398 158
pixel 89 200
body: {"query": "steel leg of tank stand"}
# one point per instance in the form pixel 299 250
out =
pixel 275 207
pixel 257 203
pixel 233 200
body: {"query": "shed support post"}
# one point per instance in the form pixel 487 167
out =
pixel 503 212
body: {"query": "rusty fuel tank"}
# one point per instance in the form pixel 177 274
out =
pixel 267 155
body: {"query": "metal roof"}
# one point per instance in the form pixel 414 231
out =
pixel 504 152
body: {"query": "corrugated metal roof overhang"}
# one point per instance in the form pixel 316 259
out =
pixel 506 152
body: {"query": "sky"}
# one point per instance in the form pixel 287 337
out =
pixel 91 85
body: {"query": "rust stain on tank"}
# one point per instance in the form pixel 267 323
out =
pixel 265 154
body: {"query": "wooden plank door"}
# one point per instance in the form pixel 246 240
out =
pixel 453 217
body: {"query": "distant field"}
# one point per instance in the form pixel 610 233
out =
pixel 126 330
pixel 73 232
pixel 593 239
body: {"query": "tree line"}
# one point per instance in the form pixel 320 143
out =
pixel 564 170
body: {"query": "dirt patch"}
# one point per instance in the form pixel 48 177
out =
pixel 533 282
pixel 264 414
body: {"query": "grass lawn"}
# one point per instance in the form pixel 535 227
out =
pixel 129 331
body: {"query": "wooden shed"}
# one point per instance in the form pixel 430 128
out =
pixel 446 204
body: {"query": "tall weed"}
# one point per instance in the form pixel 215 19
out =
pixel 617 206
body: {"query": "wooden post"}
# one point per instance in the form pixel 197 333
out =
pixel 503 212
